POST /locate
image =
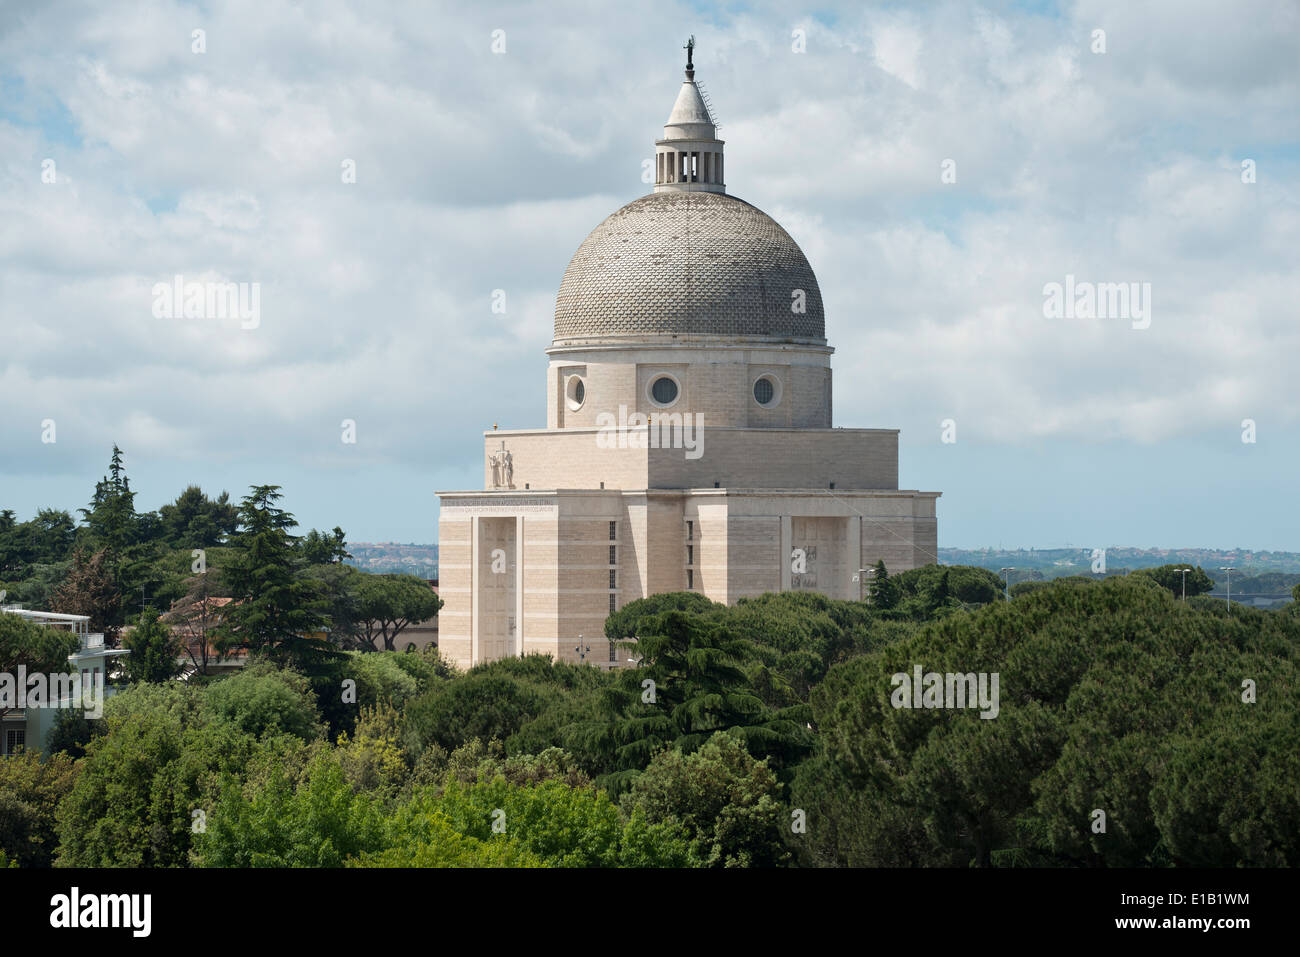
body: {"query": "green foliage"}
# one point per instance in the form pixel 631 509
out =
pixel 386 604
pixel 276 612
pixel 932 591
pixel 33 646
pixel 1028 587
pixel 318 823
pixel 639 616
pixel 1230 794
pixel 724 798
pixel 524 702
pixel 130 806
pixel 1169 576
pixel 483 705
pixel 691 683
pixel 110 518
pixel 196 521
pixel 161 758
pixel 1104 689
pixel 384 676
pixel 263 700
pixel 30 790
pixel 794 637
pixel 372 758
pixel 883 591
pixel 433 842
pixel 324 548
pixel 71 733
pixel 44 540
pixel 153 650
pixel 559 825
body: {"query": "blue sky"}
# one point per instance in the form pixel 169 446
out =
pixel 479 171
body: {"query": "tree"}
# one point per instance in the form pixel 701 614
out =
pixel 198 614
pixel 882 590
pixel 386 604
pixel 324 548
pixel 110 517
pixel 44 540
pixel 196 521
pixel 90 589
pixel 154 650
pixel 724 798
pixel 560 825
pixel 162 758
pixel 483 705
pixel 34 647
pixel 275 611
pixel 1170 576
pixel 30 791
pixel 691 683
pixel 320 823
pixel 263 700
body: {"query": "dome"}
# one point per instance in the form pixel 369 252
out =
pixel 689 264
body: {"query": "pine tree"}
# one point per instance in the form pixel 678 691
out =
pixel 111 518
pixel 90 589
pixel 153 650
pixel 691 683
pixel 275 612
pixel 884 594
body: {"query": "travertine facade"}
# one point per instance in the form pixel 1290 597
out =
pixel 688 441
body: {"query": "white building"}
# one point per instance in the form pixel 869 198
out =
pixel 92 662
pixel 689 443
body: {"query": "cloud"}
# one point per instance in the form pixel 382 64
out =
pixel 478 172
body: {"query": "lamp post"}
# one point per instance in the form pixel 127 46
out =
pixel 1007 577
pixel 582 650
pixel 1229 569
pixel 862 582
pixel 1184 571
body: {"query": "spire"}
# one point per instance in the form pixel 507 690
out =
pixel 689 157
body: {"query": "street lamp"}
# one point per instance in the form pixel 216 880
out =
pixel 1184 571
pixel 1229 569
pixel 1007 577
pixel 862 585
pixel 582 650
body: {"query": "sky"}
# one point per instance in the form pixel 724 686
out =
pixel 940 164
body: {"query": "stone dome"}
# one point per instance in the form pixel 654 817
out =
pixel 688 264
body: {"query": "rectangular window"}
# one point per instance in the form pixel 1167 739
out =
pixel 15 738
pixel 612 553
pixel 613 531
pixel 613 607
pixel 690 554
pixel 612 573
pixel 613 648
pixel 690 579
pixel 690 531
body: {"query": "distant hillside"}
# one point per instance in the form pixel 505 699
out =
pixel 1279 568
pixel 384 558
pixel 1254 571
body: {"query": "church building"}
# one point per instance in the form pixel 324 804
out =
pixel 688 445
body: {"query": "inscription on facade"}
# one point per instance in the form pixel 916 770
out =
pixel 503 505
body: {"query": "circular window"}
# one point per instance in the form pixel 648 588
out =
pixel 575 391
pixel 767 391
pixel 664 390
